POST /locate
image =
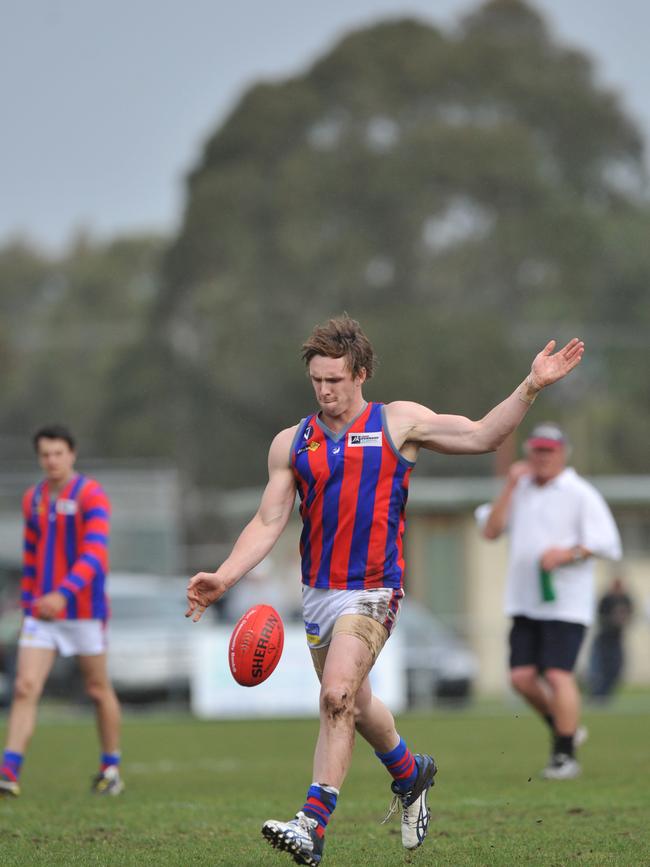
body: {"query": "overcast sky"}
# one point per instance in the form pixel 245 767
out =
pixel 106 103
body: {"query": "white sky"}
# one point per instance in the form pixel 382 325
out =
pixel 105 104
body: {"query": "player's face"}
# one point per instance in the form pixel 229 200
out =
pixel 545 464
pixel 336 390
pixel 56 459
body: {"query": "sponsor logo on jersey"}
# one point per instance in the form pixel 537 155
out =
pixel 67 507
pixel 309 430
pixel 361 440
pixel 310 447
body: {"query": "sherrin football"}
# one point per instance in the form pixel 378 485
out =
pixel 256 645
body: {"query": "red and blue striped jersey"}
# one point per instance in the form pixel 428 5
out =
pixel 353 488
pixel 66 547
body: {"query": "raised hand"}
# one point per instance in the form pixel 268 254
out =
pixel 517 471
pixel 549 366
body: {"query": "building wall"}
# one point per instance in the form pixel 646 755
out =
pixel 487 627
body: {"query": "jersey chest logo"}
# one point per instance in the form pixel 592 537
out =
pixel 67 507
pixel 363 440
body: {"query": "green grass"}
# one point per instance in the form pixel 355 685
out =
pixel 197 793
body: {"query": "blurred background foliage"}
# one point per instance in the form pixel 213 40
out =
pixel 466 195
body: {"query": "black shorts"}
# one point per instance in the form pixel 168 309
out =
pixel 545 643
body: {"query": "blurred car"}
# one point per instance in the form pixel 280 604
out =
pixel 148 643
pixel 149 639
pixel 10 619
pixel 64 680
pixel 438 663
pixel 150 647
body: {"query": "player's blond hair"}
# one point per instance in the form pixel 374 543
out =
pixel 341 337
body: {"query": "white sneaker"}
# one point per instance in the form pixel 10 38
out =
pixel 415 813
pixel 108 782
pixel 8 787
pixel 562 767
pixel 580 736
pixel 298 837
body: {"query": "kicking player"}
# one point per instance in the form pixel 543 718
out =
pixel 65 565
pixel 350 463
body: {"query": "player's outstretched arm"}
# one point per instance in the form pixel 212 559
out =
pixel 257 538
pixel 412 423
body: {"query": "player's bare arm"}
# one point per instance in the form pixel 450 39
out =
pixel 413 426
pixel 257 538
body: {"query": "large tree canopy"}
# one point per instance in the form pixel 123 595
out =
pixel 462 194
pixel 466 195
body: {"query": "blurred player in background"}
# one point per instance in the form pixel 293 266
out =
pixel 65 556
pixel 350 463
pixel 557 523
pixel 607 657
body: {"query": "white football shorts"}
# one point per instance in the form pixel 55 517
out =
pixel 67 637
pixel 322 608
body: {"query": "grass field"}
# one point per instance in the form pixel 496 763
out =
pixel 197 793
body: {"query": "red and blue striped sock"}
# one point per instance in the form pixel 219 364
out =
pixel 11 764
pixel 108 759
pixel 401 765
pixel 320 804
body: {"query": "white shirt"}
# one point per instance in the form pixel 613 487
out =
pixel 565 512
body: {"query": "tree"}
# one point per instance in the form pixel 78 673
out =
pixel 465 195
pixel 446 189
pixel 65 322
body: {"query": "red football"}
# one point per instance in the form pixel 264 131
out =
pixel 256 645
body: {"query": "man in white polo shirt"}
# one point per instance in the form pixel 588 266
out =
pixel 557 523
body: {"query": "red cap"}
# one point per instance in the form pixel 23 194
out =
pixel 546 436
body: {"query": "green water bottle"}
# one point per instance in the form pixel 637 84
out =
pixel 546 583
